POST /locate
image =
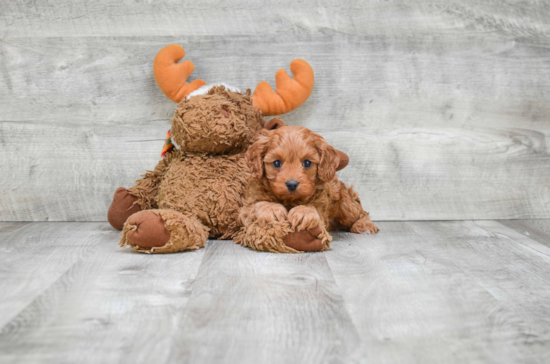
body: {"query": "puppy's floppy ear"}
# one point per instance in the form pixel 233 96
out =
pixel 344 160
pixel 255 155
pixel 274 123
pixel 329 160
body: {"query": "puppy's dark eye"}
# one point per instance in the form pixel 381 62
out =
pixel 277 164
pixel 306 163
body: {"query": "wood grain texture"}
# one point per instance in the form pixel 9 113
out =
pixel 256 307
pixel 442 106
pixel 71 178
pixel 401 174
pixel 417 292
pixel 70 294
pixel 462 80
pixel 536 242
pixel 54 252
pixel 538 230
pixel 433 292
pixel 50 18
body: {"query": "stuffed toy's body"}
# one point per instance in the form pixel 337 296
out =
pixel 196 190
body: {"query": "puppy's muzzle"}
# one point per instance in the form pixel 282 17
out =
pixel 292 185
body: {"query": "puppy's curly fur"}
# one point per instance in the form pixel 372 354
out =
pixel 294 186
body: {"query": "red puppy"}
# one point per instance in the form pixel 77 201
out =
pixel 294 187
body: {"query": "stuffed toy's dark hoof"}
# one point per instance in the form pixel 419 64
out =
pixel 163 231
pixel 147 230
pixel 122 208
pixel 305 240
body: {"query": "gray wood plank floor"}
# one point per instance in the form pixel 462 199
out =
pixel 418 292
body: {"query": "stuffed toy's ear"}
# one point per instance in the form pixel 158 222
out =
pixel 344 160
pixel 255 155
pixel 274 123
pixel 289 93
pixel 171 76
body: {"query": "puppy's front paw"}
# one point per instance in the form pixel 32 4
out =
pixel 304 218
pixel 268 212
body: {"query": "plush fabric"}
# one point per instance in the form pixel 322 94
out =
pixel 312 240
pixel 163 231
pixel 209 186
pixel 124 205
pixel 196 190
pixel 145 230
pixel 289 94
pixel 219 122
pixel 199 185
pixel 171 77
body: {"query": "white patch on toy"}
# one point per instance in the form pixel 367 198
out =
pixel 204 89
pixel 176 146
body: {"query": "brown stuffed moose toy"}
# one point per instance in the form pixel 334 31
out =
pixel 196 190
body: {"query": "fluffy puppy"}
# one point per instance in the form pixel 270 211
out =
pixel 294 188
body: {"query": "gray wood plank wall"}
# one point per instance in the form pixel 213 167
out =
pixel 442 106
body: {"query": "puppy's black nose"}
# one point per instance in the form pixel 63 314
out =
pixel 292 185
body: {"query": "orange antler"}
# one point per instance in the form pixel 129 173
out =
pixel 171 76
pixel 289 93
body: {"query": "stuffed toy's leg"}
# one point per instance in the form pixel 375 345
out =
pixel 266 227
pixel 163 231
pixel 142 196
pixel 123 206
pixel 311 240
